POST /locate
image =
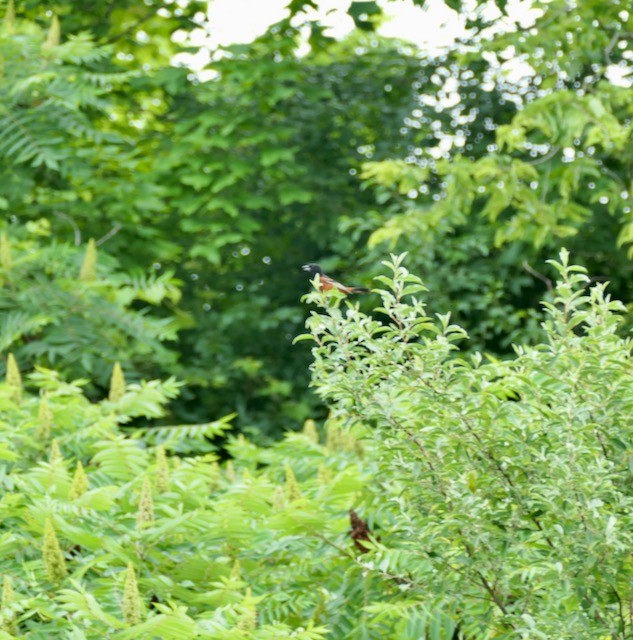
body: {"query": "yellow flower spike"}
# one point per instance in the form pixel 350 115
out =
pixel 9 17
pixel 79 484
pixel 131 597
pixel 13 378
pixel 54 561
pixel 54 34
pixel 145 515
pixel 117 383
pixel 55 454
pixel 162 469
pixel 293 492
pixel 8 597
pixel 45 419
pixel 279 499
pixel 310 430
pixel 88 271
pixel 5 243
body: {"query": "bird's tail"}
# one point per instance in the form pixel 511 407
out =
pixel 360 290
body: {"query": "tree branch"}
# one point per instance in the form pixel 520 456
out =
pixel 132 27
pixel 115 229
pixel 72 223
pixel 536 274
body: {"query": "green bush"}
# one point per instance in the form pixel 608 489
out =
pixel 107 530
pixel 508 484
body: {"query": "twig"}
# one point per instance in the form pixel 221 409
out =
pixel 550 154
pixel 488 453
pixel 115 229
pixel 614 175
pixel 416 441
pixel 490 589
pixel 360 563
pixel 623 35
pixel 536 274
pixel 609 48
pixel 323 538
pixel 72 223
pixel 109 10
pixel 131 28
pixel 620 609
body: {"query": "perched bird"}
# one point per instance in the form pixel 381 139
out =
pixel 326 283
pixel 359 532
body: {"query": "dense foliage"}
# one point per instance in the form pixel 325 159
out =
pixel 449 497
pixel 480 160
pixel 493 186
pixel 153 220
pixel 510 481
pixel 181 176
pixel 71 309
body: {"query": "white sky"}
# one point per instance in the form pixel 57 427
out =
pixel 241 21
pixel 431 28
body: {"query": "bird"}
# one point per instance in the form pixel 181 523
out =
pixel 360 532
pixel 326 283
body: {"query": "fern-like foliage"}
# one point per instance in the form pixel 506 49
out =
pixel 49 318
pixel 197 561
pixel 186 438
pixel 50 97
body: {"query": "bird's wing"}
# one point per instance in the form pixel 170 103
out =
pixel 328 283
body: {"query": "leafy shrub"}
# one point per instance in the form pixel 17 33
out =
pixel 107 531
pixel 508 482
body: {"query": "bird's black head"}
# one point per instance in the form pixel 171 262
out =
pixel 313 269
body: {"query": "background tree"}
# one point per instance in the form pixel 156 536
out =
pixel 485 196
pixel 187 177
pixel 280 158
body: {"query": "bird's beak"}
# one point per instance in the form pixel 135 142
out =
pixel 305 267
